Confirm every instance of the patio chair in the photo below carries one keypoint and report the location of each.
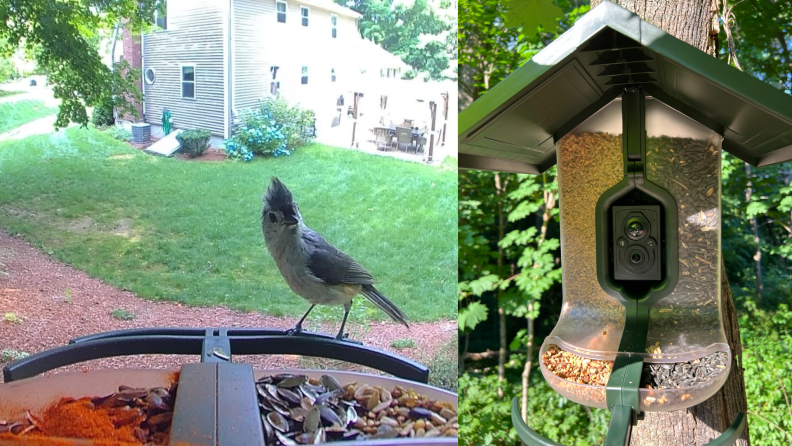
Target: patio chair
(403, 137)
(383, 138)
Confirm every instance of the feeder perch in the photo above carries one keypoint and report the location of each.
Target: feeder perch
(218, 401)
(636, 121)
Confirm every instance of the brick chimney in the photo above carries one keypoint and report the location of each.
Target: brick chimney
(132, 53)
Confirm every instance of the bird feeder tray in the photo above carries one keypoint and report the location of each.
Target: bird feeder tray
(216, 402)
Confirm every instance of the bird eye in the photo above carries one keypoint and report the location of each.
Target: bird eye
(272, 217)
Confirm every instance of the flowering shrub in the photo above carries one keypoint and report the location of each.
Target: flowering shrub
(237, 152)
(274, 129)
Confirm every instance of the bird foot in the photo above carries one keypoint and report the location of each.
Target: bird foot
(294, 330)
(345, 338)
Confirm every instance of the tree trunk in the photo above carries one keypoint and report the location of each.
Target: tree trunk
(692, 21)
(527, 368)
(500, 188)
(754, 228)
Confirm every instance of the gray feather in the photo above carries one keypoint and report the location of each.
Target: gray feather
(330, 265)
(384, 304)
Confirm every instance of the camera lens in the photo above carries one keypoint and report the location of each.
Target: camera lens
(636, 228)
(636, 257)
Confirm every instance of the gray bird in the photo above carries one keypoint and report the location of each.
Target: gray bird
(314, 269)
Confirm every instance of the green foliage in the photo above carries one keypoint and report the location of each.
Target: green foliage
(412, 31)
(61, 37)
(275, 128)
(8, 71)
(767, 360)
(15, 114)
(400, 344)
(532, 14)
(122, 315)
(194, 142)
(120, 133)
(8, 355)
(12, 318)
(103, 114)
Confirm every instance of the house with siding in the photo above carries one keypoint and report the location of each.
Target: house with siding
(211, 58)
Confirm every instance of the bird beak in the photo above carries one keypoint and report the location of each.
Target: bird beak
(290, 221)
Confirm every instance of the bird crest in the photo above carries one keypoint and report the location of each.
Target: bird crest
(278, 196)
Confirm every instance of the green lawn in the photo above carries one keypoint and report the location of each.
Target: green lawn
(190, 231)
(4, 93)
(14, 114)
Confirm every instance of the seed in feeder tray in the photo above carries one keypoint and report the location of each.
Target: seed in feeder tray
(318, 411)
(129, 416)
(576, 368)
(683, 374)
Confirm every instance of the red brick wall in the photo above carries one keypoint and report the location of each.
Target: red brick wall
(132, 54)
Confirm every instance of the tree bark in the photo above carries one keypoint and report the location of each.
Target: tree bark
(500, 188)
(692, 22)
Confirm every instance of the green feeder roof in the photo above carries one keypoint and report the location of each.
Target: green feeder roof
(514, 127)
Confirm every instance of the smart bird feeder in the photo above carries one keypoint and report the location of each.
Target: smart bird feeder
(636, 121)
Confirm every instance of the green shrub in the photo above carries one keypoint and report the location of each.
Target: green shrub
(103, 114)
(120, 133)
(275, 128)
(194, 142)
(8, 71)
(8, 355)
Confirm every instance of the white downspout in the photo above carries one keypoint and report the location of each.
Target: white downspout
(227, 67)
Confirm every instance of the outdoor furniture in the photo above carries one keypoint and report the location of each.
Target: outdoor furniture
(382, 137)
(403, 137)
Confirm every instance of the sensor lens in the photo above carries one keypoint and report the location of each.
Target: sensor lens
(636, 257)
(636, 228)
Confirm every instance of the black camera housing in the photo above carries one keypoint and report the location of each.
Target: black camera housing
(636, 243)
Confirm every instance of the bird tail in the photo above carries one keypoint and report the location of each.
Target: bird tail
(384, 304)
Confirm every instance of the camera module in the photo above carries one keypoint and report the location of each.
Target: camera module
(635, 234)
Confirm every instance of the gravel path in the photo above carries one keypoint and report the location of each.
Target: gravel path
(34, 287)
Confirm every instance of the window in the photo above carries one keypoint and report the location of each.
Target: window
(332, 75)
(274, 86)
(281, 7)
(188, 81)
(304, 79)
(150, 76)
(160, 19)
(304, 13)
(334, 24)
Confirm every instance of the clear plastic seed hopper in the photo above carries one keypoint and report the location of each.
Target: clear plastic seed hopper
(636, 121)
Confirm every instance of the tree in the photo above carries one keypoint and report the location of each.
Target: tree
(414, 32)
(695, 22)
(60, 36)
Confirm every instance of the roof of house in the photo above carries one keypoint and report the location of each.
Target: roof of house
(515, 125)
(331, 6)
(371, 54)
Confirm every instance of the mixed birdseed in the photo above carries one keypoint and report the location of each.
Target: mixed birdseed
(575, 368)
(588, 165)
(684, 374)
(296, 409)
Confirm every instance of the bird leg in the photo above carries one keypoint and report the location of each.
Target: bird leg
(347, 307)
(298, 328)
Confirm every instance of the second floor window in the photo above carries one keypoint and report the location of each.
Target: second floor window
(304, 13)
(304, 79)
(332, 75)
(281, 6)
(334, 24)
(188, 81)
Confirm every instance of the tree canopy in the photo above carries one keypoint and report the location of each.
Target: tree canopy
(61, 36)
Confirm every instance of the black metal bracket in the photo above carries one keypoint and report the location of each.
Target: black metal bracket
(213, 345)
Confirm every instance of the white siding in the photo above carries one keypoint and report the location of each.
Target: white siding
(194, 36)
(259, 42)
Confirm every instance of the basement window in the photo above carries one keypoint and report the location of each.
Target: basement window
(304, 79)
(332, 75)
(188, 81)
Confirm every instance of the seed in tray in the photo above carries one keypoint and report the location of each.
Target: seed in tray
(576, 368)
(683, 374)
(317, 411)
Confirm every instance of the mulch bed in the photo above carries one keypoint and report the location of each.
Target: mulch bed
(56, 303)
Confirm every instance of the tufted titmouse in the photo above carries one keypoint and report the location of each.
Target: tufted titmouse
(313, 268)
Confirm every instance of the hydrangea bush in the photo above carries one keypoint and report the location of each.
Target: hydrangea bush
(275, 128)
(235, 151)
